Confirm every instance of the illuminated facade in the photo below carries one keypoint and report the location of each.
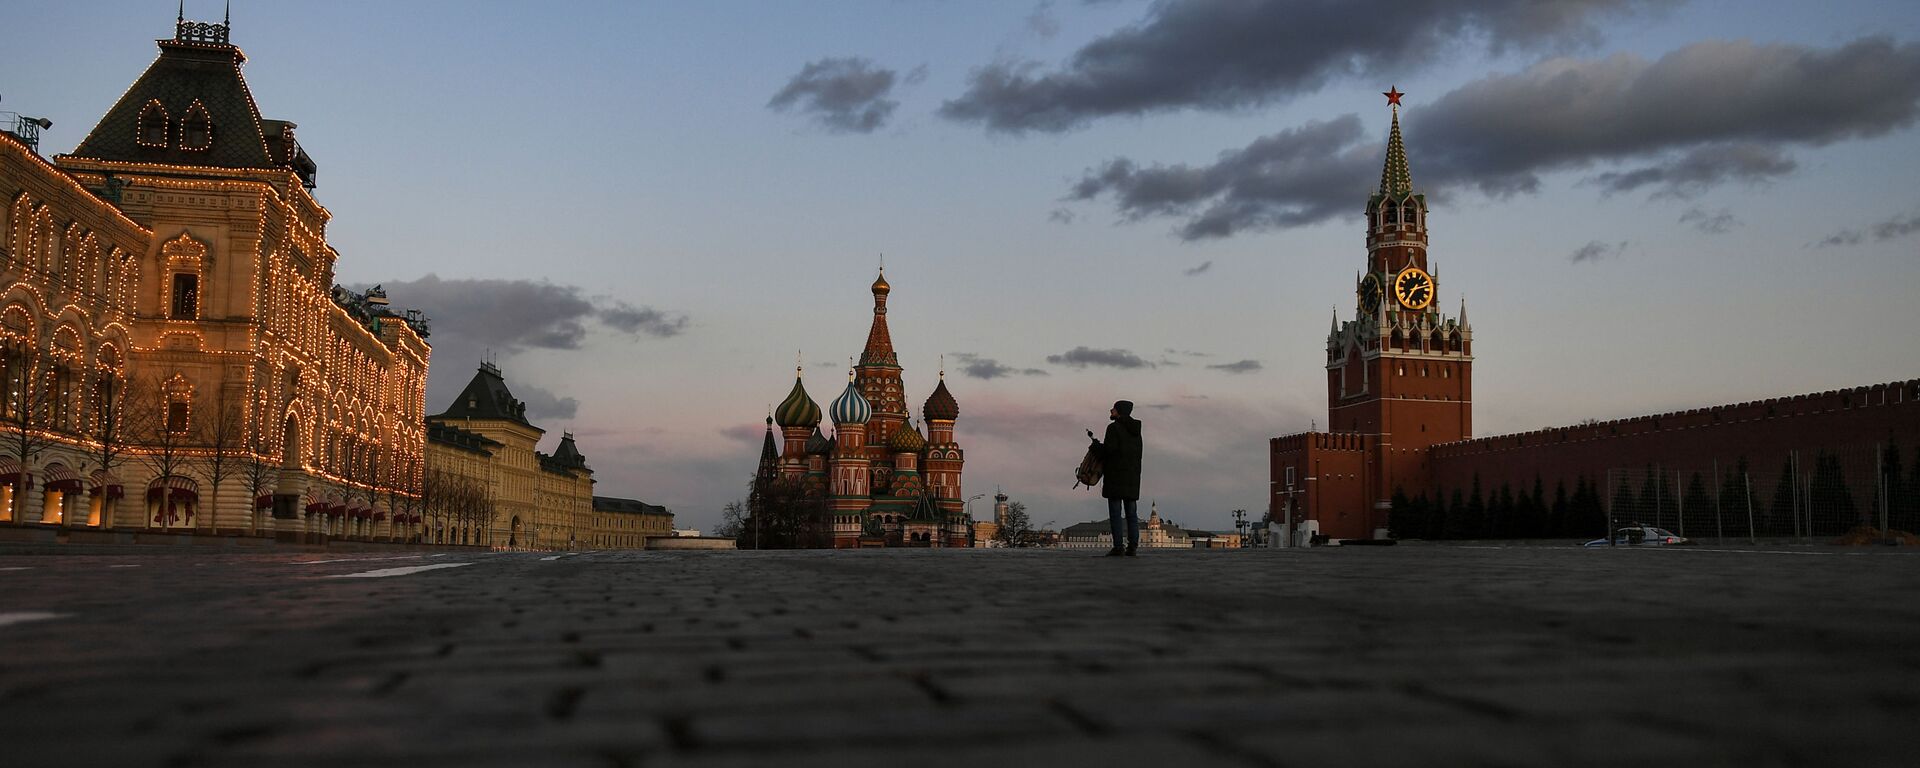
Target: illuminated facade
(530, 500)
(176, 353)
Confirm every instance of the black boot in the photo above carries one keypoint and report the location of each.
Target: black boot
(1130, 548)
(1115, 552)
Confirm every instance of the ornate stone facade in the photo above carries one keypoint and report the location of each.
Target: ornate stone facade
(176, 352)
(527, 499)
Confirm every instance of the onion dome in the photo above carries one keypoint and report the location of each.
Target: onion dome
(817, 443)
(940, 405)
(798, 410)
(880, 287)
(907, 439)
(850, 407)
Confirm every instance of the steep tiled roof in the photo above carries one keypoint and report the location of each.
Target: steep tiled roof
(486, 397)
(187, 73)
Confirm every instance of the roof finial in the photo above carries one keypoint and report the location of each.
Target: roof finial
(1395, 181)
(943, 366)
(227, 18)
(798, 368)
(180, 17)
(850, 368)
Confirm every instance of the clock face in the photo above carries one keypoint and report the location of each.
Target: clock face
(1414, 288)
(1369, 294)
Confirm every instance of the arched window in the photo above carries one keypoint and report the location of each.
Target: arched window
(151, 131)
(196, 129)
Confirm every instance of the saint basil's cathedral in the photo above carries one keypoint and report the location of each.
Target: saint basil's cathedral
(884, 484)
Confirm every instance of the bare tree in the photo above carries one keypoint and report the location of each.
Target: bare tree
(223, 432)
(111, 427)
(166, 444)
(1016, 528)
(258, 471)
(25, 412)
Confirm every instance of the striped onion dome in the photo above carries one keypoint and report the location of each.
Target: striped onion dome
(907, 439)
(850, 407)
(940, 405)
(798, 410)
(817, 443)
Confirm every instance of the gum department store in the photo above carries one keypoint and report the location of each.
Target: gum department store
(177, 356)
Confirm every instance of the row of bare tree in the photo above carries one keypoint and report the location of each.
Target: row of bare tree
(175, 432)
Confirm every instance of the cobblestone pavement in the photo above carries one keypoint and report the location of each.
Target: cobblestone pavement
(1410, 655)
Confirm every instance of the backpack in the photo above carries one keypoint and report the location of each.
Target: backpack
(1090, 470)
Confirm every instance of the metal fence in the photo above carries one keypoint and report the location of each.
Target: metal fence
(1861, 492)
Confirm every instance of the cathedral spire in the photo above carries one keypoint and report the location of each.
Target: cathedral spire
(879, 350)
(1395, 179)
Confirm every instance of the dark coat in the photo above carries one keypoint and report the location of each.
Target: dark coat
(1120, 455)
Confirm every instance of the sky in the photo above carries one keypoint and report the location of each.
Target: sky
(643, 210)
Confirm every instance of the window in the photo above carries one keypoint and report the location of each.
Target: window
(186, 296)
(196, 129)
(152, 128)
(61, 409)
(177, 416)
(1289, 476)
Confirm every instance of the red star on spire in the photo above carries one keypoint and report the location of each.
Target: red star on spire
(1393, 95)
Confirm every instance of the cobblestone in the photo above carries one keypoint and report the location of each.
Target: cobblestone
(1412, 655)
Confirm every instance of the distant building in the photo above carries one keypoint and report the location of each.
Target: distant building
(1154, 534)
(626, 524)
(533, 500)
(987, 533)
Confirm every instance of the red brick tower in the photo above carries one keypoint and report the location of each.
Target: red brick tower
(944, 463)
(878, 377)
(1400, 372)
(850, 464)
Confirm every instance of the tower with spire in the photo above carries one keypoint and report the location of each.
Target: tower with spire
(884, 482)
(1399, 371)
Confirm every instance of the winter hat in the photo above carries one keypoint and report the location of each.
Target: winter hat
(1125, 407)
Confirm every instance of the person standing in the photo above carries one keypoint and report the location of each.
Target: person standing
(1120, 455)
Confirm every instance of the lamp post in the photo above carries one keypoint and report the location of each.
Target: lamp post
(969, 507)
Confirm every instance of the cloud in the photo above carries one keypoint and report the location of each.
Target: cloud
(628, 318)
(1042, 23)
(1710, 222)
(1188, 352)
(1204, 266)
(1696, 170)
(1888, 229)
(1061, 215)
(845, 95)
(988, 368)
(497, 318)
(1081, 357)
(1213, 55)
(752, 434)
(1706, 114)
(1596, 250)
(543, 403)
(1243, 366)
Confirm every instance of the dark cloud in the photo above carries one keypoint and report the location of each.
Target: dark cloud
(1081, 357)
(1231, 54)
(1243, 366)
(1204, 266)
(492, 319)
(1596, 250)
(1881, 231)
(1706, 114)
(628, 318)
(846, 95)
(1188, 352)
(988, 368)
(1061, 215)
(1698, 169)
(543, 403)
(1712, 223)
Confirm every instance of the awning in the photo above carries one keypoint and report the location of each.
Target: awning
(103, 483)
(316, 507)
(69, 485)
(263, 501)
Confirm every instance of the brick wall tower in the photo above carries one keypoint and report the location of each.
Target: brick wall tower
(944, 463)
(1400, 372)
(878, 377)
(849, 466)
(798, 417)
